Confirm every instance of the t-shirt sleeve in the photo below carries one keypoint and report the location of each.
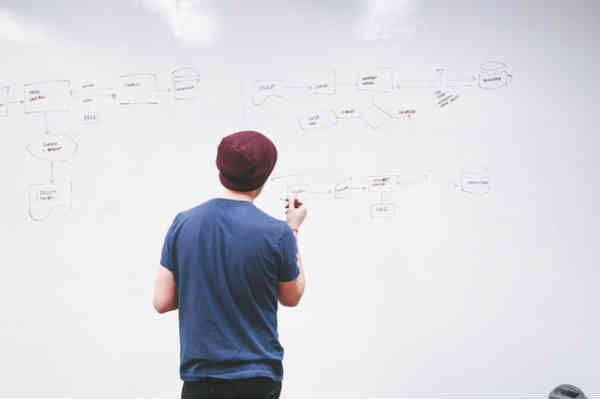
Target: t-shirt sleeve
(169, 256)
(288, 270)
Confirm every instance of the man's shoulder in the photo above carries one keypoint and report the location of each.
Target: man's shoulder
(270, 221)
(202, 207)
(252, 216)
(192, 212)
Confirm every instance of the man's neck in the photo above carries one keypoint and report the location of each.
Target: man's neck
(236, 195)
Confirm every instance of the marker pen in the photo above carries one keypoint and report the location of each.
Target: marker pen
(296, 202)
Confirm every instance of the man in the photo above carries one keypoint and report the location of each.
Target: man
(224, 265)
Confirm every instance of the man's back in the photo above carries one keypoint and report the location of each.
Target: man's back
(227, 257)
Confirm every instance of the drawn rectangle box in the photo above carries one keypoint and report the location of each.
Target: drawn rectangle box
(382, 183)
(4, 100)
(380, 80)
(138, 88)
(383, 210)
(475, 181)
(186, 83)
(317, 120)
(49, 96)
(262, 90)
(45, 198)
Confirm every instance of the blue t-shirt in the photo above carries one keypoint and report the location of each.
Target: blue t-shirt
(227, 257)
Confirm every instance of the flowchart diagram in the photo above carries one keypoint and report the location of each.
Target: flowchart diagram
(137, 88)
(382, 187)
(376, 84)
(88, 101)
(59, 96)
(47, 196)
(44, 98)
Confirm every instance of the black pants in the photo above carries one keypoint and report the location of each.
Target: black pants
(215, 388)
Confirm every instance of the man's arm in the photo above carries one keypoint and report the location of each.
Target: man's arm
(290, 292)
(165, 291)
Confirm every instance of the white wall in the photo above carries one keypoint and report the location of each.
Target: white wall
(458, 294)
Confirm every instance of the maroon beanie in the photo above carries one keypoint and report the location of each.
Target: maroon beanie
(245, 160)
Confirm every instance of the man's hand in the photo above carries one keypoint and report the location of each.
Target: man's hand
(296, 212)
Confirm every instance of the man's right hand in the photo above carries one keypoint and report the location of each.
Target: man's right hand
(295, 215)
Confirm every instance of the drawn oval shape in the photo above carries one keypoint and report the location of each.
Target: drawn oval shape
(53, 148)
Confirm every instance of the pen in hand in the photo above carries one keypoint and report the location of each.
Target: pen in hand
(296, 203)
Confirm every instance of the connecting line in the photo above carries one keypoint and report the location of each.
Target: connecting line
(45, 122)
(16, 102)
(461, 82)
(111, 95)
(348, 188)
(95, 92)
(351, 188)
(282, 177)
(296, 87)
(52, 172)
(317, 192)
(415, 84)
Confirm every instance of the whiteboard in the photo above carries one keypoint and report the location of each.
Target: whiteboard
(447, 153)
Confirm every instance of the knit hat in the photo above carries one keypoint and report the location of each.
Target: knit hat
(245, 160)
